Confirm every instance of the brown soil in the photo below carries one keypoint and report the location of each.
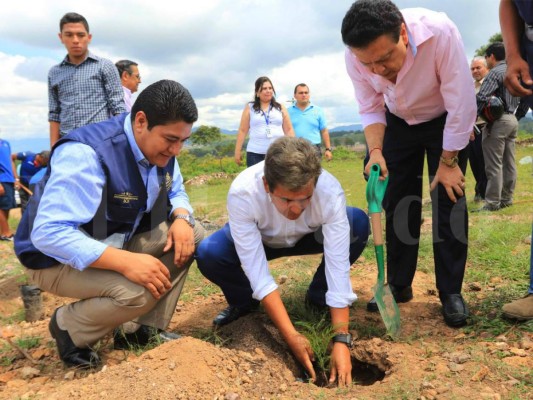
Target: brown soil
(429, 361)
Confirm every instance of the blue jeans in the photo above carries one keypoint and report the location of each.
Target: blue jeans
(219, 262)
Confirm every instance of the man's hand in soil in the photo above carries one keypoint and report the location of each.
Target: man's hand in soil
(341, 365)
(301, 348)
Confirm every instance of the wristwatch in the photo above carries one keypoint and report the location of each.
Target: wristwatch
(450, 162)
(345, 338)
(328, 149)
(187, 217)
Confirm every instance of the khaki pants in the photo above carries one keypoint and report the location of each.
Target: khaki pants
(107, 298)
(499, 154)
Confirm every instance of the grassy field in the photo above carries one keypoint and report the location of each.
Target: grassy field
(498, 248)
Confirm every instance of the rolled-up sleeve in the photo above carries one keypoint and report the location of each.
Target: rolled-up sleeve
(336, 255)
(249, 246)
(456, 89)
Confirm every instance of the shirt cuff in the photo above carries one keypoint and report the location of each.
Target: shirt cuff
(373, 118)
(340, 300)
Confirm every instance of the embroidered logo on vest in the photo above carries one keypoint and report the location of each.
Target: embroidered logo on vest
(126, 197)
(168, 182)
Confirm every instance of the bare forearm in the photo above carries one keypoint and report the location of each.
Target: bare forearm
(340, 318)
(512, 28)
(278, 314)
(374, 135)
(54, 132)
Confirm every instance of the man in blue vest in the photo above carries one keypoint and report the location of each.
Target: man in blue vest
(103, 222)
(516, 20)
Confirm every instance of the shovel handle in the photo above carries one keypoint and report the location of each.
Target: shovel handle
(377, 233)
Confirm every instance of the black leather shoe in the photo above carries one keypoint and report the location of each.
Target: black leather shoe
(401, 295)
(68, 352)
(141, 337)
(454, 309)
(233, 313)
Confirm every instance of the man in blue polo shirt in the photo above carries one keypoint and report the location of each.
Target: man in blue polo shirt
(30, 164)
(309, 121)
(7, 191)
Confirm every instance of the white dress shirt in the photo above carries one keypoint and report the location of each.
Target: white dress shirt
(255, 221)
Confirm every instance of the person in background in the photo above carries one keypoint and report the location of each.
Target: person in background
(30, 164)
(288, 205)
(406, 68)
(130, 79)
(309, 121)
(516, 21)
(8, 177)
(83, 88)
(265, 120)
(111, 224)
(479, 70)
(499, 136)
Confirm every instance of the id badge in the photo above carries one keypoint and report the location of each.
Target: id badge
(268, 133)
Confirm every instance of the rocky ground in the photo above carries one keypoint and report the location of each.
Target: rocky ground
(248, 360)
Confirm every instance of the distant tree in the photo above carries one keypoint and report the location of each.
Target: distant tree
(497, 37)
(349, 141)
(205, 135)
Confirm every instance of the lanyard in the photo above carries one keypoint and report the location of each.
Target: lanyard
(267, 116)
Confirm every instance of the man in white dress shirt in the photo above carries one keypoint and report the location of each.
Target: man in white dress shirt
(286, 206)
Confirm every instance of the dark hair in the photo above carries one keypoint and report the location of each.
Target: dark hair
(366, 20)
(165, 102)
(73, 18)
(45, 155)
(497, 49)
(257, 103)
(291, 162)
(124, 66)
(300, 85)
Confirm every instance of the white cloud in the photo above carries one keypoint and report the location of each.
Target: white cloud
(216, 48)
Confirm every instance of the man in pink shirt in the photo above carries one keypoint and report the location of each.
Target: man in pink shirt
(414, 90)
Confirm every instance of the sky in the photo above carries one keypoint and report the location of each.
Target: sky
(215, 48)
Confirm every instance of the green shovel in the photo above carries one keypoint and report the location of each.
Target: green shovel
(390, 313)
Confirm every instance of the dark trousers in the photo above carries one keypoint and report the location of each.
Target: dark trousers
(404, 149)
(253, 158)
(477, 165)
(219, 262)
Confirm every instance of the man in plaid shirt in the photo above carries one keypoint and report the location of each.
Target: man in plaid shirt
(83, 88)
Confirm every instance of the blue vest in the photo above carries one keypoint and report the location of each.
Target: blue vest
(123, 198)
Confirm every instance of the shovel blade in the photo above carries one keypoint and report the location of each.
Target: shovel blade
(390, 313)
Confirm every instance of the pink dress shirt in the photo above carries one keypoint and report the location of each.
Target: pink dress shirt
(434, 78)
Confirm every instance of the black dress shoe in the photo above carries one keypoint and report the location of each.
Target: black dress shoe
(233, 313)
(454, 309)
(400, 294)
(142, 337)
(68, 352)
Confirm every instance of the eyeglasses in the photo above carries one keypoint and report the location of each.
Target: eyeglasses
(138, 76)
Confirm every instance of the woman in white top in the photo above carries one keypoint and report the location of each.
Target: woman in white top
(265, 119)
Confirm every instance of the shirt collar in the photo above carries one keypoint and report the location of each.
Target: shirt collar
(417, 31)
(310, 105)
(90, 56)
(137, 153)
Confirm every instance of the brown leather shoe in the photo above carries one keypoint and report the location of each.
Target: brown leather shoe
(520, 310)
